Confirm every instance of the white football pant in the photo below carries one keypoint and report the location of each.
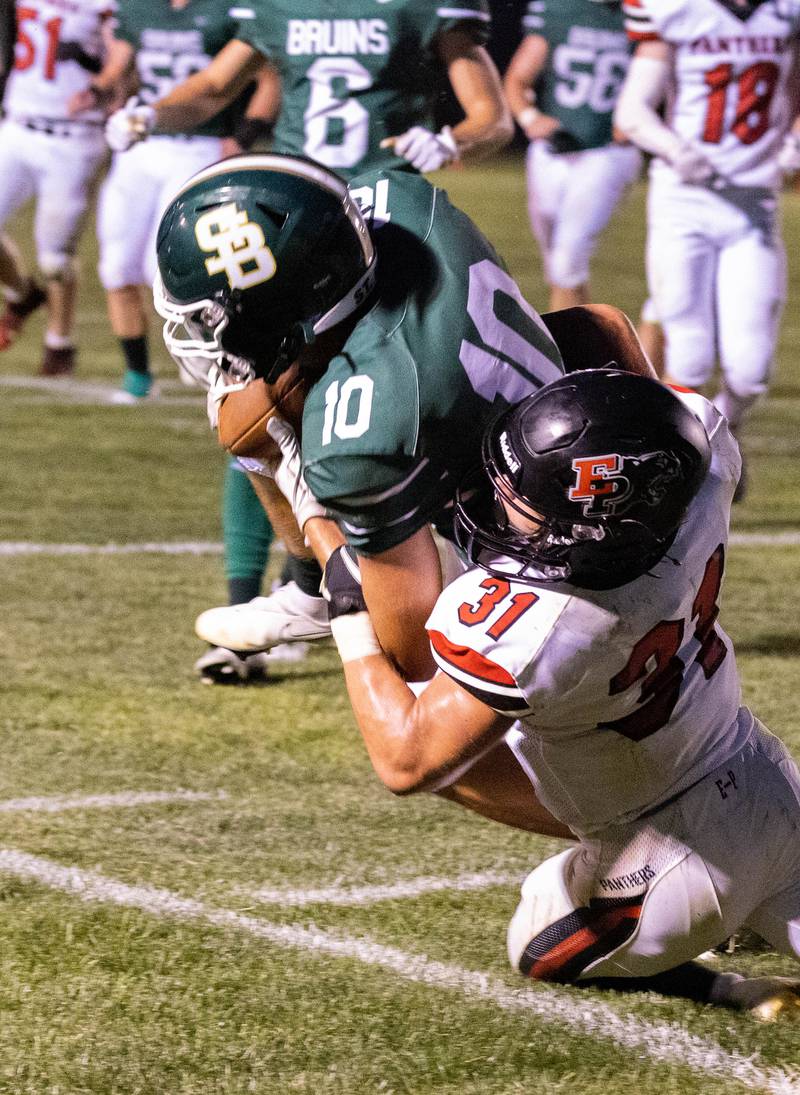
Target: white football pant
(57, 170)
(648, 896)
(137, 190)
(717, 275)
(571, 197)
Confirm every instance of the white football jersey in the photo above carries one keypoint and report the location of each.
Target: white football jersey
(624, 696)
(731, 90)
(41, 83)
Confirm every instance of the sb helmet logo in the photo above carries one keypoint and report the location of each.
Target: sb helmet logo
(240, 250)
(599, 484)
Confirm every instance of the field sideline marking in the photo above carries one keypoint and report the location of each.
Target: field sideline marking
(666, 1042)
(369, 895)
(790, 538)
(55, 804)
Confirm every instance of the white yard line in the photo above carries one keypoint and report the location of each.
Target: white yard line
(208, 547)
(177, 547)
(369, 895)
(91, 393)
(55, 804)
(661, 1042)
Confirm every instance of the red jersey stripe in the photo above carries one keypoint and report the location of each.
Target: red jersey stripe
(469, 661)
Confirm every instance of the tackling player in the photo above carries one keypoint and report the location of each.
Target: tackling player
(358, 92)
(47, 154)
(715, 260)
(561, 85)
(587, 635)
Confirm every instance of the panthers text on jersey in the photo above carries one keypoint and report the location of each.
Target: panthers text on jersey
(625, 696)
(399, 414)
(587, 60)
(732, 67)
(356, 72)
(172, 43)
(58, 49)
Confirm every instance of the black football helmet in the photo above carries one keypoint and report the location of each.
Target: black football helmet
(256, 256)
(604, 462)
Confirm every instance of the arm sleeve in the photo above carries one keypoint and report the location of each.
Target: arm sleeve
(636, 114)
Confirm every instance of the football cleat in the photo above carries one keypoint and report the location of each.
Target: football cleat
(136, 388)
(221, 666)
(58, 361)
(287, 615)
(15, 314)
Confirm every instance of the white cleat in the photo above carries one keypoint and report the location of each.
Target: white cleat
(287, 615)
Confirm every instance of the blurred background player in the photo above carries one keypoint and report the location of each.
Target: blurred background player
(155, 46)
(48, 155)
(359, 91)
(562, 84)
(715, 260)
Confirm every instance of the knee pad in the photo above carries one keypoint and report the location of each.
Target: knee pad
(558, 929)
(57, 266)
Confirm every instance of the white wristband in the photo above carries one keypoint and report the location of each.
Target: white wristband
(527, 116)
(355, 636)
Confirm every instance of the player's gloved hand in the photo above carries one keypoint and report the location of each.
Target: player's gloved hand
(691, 165)
(341, 584)
(425, 150)
(288, 473)
(133, 122)
(789, 154)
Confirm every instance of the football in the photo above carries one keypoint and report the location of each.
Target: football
(243, 415)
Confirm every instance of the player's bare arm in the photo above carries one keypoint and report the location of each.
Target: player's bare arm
(486, 126)
(113, 83)
(415, 744)
(523, 69)
(207, 92)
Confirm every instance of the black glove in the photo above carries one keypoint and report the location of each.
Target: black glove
(341, 585)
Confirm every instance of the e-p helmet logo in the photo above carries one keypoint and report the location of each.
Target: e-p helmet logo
(240, 250)
(599, 484)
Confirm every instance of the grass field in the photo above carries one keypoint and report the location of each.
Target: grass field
(206, 890)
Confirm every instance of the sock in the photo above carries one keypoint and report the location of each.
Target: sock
(241, 590)
(691, 981)
(135, 351)
(733, 406)
(247, 534)
(306, 573)
(57, 342)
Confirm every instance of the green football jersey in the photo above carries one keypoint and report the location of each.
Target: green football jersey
(355, 72)
(586, 64)
(170, 44)
(398, 416)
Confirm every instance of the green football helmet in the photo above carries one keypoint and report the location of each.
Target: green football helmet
(256, 256)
